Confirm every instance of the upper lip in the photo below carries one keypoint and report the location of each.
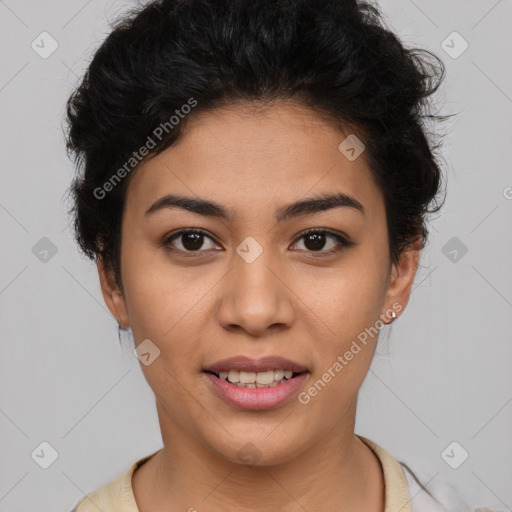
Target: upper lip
(246, 364)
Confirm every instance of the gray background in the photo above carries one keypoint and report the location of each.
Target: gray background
(443, 369)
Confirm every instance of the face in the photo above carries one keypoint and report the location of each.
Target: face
(258, 278)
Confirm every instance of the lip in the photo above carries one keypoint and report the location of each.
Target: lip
(256, 399)
(246, 364)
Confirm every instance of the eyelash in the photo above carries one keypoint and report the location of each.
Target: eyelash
(343, 242)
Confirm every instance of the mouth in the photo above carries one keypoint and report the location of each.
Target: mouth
(261, 384)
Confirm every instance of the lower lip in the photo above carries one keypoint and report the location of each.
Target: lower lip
(257, 399)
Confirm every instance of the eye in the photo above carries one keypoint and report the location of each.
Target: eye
(189, 240)
(317, 240)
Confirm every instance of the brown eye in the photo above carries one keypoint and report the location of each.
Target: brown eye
(317, 240)
(190, 241)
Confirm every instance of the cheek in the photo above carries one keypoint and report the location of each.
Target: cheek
(347, 299)
(160, 297)
(343, 344)
(168, 309)
(173, 323)
(344, 323)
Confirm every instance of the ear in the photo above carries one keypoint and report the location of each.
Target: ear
(114, 298)
(400, 281)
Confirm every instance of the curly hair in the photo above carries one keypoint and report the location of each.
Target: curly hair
(336, 57)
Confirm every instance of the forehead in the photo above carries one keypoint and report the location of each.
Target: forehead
(251, 157)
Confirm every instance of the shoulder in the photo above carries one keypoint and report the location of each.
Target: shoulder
(114, 496)
(406, 493)
(107, 498)
(440, 496)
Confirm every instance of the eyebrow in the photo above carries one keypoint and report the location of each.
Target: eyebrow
(212, 209)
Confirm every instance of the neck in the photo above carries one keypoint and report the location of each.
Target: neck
(338, 473)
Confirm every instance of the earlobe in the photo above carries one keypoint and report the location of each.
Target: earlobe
(113, 297)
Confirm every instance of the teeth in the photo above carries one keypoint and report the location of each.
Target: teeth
(247, 377)
(265, 379)
(233, 376)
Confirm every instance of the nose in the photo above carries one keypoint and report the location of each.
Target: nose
(255, 297)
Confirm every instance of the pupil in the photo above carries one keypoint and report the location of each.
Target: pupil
(192, 241)
(318, 241)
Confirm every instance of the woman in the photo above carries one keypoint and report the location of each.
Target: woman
(254, 189)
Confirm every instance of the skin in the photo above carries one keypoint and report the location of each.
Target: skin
(288, 302)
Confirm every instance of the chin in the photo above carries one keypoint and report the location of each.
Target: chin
(260, 449)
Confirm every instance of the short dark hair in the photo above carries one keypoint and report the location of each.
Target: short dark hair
(334, 56)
